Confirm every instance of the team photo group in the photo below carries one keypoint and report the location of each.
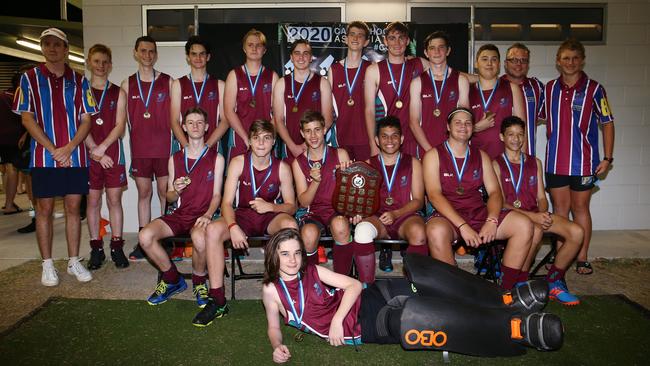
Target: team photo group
(266, 154)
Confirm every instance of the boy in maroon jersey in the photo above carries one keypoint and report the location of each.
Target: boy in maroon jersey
(195, 183)
(107, 165)
(314, 175)
(148, 111)
(296, 93)
(522, 184)
(346, 77)
(454, 173)
(254, 183)
(248, 93)
(198, 88)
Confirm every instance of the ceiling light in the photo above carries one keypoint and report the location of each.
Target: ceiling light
(76, 59)
(72, 56)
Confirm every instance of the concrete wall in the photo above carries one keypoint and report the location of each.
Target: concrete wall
(622, 65)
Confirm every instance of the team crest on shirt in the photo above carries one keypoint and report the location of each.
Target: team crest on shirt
(475, 174)
(403, 181)
(315, 96)
(318, 290)
(271, 188)
(453, 95)
(112, 105)
(160, 97)
(266, 88)
(210, 176)
(212, 95)
(503, 101)
(532, 180)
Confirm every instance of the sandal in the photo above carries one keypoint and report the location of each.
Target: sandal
(584, 268)
(18, 210)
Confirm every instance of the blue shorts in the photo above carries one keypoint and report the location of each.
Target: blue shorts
(58, 182)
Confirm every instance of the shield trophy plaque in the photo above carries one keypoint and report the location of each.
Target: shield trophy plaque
(357, 190)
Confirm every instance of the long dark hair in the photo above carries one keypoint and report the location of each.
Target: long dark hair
(272, 259)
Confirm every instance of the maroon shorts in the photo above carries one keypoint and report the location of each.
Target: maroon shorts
(358, 152)
(252, 223)
(476, 222)
(320, 219)
(101, 178)
(147, 167)
(393, 228)
(180, 224)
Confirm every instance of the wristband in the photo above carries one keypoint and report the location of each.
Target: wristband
(492, 219)
(231, 225)
(461, 225)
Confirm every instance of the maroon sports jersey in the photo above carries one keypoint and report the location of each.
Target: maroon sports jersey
(309, 100)
(401, 191)
(389, 98)
(321, 206)
(11, 126)
(435, 127)
(350, 123)
(527, 190)
(107, 114)
(500, 104)
(269, 190)
(195, 199)
(469, 204)
(321, 303)
(209, 99)
(150, 137)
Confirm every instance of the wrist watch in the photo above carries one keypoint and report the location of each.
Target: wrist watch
(611, 160)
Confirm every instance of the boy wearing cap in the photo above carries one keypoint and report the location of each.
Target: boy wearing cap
(56, 104)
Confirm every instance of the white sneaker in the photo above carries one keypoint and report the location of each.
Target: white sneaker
(78, 270)
(49, 277)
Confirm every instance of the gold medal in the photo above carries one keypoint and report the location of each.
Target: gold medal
(436, 112)
(252, 103)
(146, 115)
(99, 121)
(316, 165)
(517, 204)
(399, 104)
(389, 201)
(460, 190)
(350, 102)
(187, 180)
(294, 109)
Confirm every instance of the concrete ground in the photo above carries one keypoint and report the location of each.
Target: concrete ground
(621, 265)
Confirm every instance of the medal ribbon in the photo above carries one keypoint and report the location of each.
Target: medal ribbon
(296, 98)
(393, 174)
(347, 79)
(301, 293)
(516, 186)
(254, 186)
(189, 170)
(198, 96)
(486, 104)
(442, 87)
(101, 99)
(146, 103)
(398, 89)
(257, 79)
(322, 160)
(459, 173)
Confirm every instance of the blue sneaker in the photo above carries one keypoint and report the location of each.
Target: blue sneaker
(557, 291)
(200, 291)
(165, 290)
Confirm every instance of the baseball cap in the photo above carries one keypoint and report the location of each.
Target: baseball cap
(56, 32)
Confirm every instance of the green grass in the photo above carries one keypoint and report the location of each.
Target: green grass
(601, 331)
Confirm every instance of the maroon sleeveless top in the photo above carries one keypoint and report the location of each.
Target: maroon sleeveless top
(263, 94)
(195, 199)
(150, 137)
(435, 127)
(269, 190)
(501, 104)
(209, 99)
(527, 190)
(470, 203)
(321, 303)
(108, 115)
(321, 206)
(388, 96)
(309, 100)
(401, 191)
(350, 123)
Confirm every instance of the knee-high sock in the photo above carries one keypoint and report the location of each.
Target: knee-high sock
(510, 276)
(364, 257)
(342, 257)
(418, 249)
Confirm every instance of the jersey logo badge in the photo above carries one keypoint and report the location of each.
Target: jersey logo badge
(315, 96)
(452, 95)
(161, 97)
(212, 95)
(503, 101)
(210, 176)
(318, 290)
(426, 96)
(448, 175)
(403, 181)
(532, 181)
(112, 105)
(475, 174)
(245, 183)
(266, 88)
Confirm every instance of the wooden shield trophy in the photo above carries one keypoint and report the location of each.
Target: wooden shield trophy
(357, 190)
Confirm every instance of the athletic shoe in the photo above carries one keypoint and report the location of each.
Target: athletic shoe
(97, 258)
(137, 253)
(49, 277)
(200, 291)
(386, 260)
(29, 228)
(78, 270)
(210, 312)
(165, 290)
(557, 291)
(118, 257)
(539, 330)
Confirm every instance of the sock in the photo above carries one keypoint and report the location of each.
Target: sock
(71, 260)
(342, 257)
(523, 276)
(97, 244)
(48, 262)
(312, 258)
(117, 242)
(171, 275)
(555, 274)
(510, 276)
(218, 295)
(198, 279)
(418, 249)
(364, 258)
